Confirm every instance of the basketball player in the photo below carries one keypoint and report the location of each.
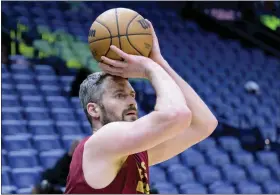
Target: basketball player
(116, 158)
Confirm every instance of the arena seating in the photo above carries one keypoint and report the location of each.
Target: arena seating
(36, 107)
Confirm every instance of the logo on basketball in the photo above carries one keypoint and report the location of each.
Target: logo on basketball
(144, 23)
(147, 46)
(92, 33)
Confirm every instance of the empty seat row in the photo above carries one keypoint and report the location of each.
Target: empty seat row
(39, 142)
(28, 89)
(28, 159)
(34, 113)
(36, 79)
(40, 101)
(20, 178)
(44, 127)
(42, 70)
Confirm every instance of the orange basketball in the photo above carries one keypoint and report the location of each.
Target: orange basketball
(124, 28)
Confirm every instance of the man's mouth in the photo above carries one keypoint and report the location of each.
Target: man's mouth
(131, 113)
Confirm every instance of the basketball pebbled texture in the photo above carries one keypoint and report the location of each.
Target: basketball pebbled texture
(124, 28)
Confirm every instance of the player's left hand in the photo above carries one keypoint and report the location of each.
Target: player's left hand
(155, 54)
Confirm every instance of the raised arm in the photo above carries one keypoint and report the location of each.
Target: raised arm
(111, 145)
(203, 121)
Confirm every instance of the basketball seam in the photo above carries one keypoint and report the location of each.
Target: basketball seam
(108, 37)
(117, 36)
(116, 12)
(128, 36)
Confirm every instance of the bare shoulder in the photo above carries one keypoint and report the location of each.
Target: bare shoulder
(98, 162)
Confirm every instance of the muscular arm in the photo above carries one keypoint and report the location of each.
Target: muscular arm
(111, 145)
(202, 125)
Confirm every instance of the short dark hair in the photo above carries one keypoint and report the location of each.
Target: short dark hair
(91, 90)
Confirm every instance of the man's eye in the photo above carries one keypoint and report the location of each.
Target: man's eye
(120, 95)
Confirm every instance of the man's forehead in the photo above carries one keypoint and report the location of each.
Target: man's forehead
(118, 83)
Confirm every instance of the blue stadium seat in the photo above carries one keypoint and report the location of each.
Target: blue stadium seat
(206, 144)
(10, 101)
(207, 174)
(87, 128)
(8, 89)
(17, 143)
(25, 177)
(57, 102)
(33, 114)
(4, 158)
(33, 101)
(8, 189)
(269, 133)
(37, 11)
(6, 78)
(41, 21)
(179, 174)
(66, 80)
(157, 174)
(9, 113)
(14, 127)
(44, 70)
(258, 173)
(23, 79)
(75, 101)
(246, 187)
(43, 127)
(230, 143)
(233, 173)
(50, 90)
(171, 161)
(218, 158)
(47, 80)
(271, 187)
(275, 169)
(213, 151)
(221, 188)
(193, 188)
(27, 89)
(4, 68)
(7, 186)
(46, 142)
(63, 114)
(25, 190)
(22, 159)
(68, 128)
(6, 177)
(192, 158)
(166, 188)
(21, 69)
(267, 158)
(243, 158)
(49, 158)
(81, 114)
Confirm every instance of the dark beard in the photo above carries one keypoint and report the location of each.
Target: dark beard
(105, 119)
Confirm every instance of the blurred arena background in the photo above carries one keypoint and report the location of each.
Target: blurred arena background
(228, 51)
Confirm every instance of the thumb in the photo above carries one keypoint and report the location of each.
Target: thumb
(155, 39)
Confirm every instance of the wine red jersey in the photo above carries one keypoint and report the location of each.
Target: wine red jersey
(132, 178)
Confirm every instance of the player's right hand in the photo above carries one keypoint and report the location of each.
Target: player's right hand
(132, 66)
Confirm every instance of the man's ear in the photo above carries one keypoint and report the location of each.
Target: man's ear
(93, 110)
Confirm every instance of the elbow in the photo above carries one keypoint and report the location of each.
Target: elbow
(211, 125)
(183, 117)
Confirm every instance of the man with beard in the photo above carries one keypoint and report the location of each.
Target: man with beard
(116, 158)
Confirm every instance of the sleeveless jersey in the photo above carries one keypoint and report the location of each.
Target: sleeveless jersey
(132, 178)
